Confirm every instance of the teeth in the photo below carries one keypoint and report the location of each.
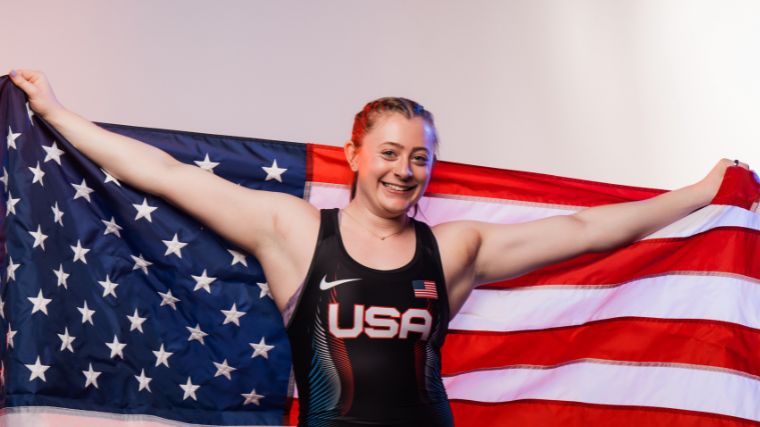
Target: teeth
(396, 187)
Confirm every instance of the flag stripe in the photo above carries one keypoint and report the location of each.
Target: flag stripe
(725, 299)
(656, 386)
(695, 342)
(543, 413)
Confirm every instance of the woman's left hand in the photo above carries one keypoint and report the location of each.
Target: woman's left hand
(711, 183)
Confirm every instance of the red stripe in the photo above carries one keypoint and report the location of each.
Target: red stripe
(654, 257)
(546, 413)
(697, 342)
(737, 189)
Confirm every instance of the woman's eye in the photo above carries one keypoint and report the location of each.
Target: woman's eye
(420, 159)
(388, 153)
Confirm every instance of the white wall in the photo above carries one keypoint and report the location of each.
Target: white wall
(648, 92)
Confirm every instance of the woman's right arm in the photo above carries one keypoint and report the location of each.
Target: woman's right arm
(258, 221)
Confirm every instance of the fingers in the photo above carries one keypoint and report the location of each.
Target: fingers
(23, 79)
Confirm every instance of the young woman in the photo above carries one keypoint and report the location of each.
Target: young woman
(367, 291)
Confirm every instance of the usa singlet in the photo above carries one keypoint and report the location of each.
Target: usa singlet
(366, 343)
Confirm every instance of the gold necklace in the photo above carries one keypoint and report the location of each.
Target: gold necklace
(370, 231)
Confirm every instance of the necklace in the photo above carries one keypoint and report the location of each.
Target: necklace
(370, 231)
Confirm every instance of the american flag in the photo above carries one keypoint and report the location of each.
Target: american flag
(424, 289)
(662, 332)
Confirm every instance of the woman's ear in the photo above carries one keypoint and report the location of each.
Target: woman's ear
(351, 151)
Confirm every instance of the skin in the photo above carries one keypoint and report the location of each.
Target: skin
(396, 151)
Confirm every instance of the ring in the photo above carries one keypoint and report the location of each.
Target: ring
(736, 163)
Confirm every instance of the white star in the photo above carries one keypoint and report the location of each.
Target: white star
(232, 315)
(117, 348)
(11, 139)
(92, 377)
(29, 113)
(66, 340)
(261, 349)
(109, 288)
(12, 269)
(86, 313)
(237, 257)
(273, 172)
(79, 252)
(39, 238)
(162, 357)
(174, 246)
(38, 174)
(144, 210)
(82, 191)
(169, 299)
(252, 397)
(111, 227)
(207, 164)
(109, 178)
(144, 381)
(141, 263)
(2, 308)
(52, 153)
(11, 208)
(40, 303)
(4, 179)
(57, 214)
(196, 334)
(62, 276)
(203, 281)
(224, 369)
(9, 336)
(135, 321)
(189, 389)
(264, 290)
(38, 370)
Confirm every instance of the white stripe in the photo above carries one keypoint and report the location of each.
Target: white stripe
(613, 384)
(720, 298)
(435, 210)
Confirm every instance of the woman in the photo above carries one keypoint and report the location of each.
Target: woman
(367, 291)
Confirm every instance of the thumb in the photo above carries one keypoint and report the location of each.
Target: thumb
(21, 79)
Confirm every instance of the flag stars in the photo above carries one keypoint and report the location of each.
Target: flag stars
(174, 246)
(39, 303)
(144, 210)
(62, 276)
(232, 315)
(79, 252)
(11, 204)
(141, 263)
(91, 377)
(4, 178)
(52, 152)
(82, 190)
(111, 227)
(117, 348)
(11, 270)
(203, 282)
(109, 178)
(39, 238)
(38, 174)
(57, 214)
(144, 382)
(224, 369)
(189, 389)
(206, 164)
(135, 322)
(169, 299)
(9, 336)
(237, 257)
(196, 334)
(162, 356)
(273, 172)
(264, 290)
(11, 138)
(86, 314)
(38, 370)
(66, 340)
(261, 349)
(29, 113)
(109, 288)
(252, 397)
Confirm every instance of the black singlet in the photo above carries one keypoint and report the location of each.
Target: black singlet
(366, 343)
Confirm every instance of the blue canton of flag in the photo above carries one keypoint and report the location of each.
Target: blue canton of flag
(424, 289)
(114, 301)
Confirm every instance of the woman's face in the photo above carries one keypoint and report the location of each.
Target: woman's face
(393, 163)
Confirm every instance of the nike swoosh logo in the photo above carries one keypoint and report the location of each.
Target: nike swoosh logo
(325, 285)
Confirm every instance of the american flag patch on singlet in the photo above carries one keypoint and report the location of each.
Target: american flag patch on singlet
(424, 289)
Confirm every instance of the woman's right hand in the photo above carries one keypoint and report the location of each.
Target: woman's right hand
(42, 100)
